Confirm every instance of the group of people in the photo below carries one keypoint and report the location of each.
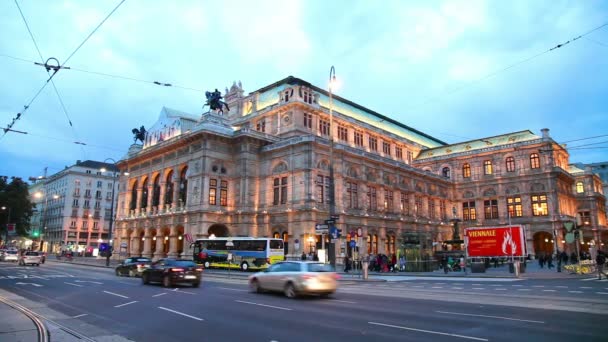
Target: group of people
(310, 256)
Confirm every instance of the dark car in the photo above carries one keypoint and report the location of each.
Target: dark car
(173, 271)
(133, 267)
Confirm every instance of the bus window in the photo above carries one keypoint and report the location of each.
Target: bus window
(276, 244)
(258, 245)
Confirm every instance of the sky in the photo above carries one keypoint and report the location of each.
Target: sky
(456, 70)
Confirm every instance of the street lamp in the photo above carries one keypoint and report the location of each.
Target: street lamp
(110, 242)
(332, 186)
(8, 221)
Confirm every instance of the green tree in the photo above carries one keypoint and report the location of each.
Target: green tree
(14, 196)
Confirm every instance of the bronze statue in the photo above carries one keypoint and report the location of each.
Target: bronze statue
(214, 101)
(139, 134)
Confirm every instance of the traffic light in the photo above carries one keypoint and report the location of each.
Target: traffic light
(35, 233)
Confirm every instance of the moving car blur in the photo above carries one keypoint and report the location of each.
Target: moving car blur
(169, 272)
(30, 258)
(133, 267)
(295, 278)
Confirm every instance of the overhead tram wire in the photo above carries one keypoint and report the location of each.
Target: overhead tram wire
(48, 70)
(25, 108)
(494, 73)
(67, 141)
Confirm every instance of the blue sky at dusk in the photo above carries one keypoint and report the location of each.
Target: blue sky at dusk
(456, 70)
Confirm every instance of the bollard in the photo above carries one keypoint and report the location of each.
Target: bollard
(516, 268)
(365, 266)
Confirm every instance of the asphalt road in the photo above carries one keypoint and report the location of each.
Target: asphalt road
(93, 302)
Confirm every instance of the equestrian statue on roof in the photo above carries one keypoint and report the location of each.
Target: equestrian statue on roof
(214, 101)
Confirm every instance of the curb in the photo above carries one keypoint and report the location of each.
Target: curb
(42, 332)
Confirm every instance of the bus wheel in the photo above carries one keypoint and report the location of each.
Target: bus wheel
(207, 264)
(244, 266)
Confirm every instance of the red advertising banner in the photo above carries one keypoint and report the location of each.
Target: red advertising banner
(11, 227)
(495, 241)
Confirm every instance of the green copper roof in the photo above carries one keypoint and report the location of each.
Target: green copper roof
(473, 145)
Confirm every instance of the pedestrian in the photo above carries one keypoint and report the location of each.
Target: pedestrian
(315, 257)
(346, 264)
(303, 257)
(444, 264)
(394, 263)
(402, 262)
(108, 256)
(550, 261)
(600, 260)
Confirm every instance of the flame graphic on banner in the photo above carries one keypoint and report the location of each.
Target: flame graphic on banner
(507, 243)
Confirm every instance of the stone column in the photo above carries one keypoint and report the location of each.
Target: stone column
(161, 202)
(173, 240)
(147, 252)
(159, 248)
(138, 202)
(150, 196)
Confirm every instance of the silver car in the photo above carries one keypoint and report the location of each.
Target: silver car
(295, 278)
(11, 255)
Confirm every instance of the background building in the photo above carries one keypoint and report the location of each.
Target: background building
(263, 169)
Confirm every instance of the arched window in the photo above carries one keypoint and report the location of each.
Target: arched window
(390, 244)
(133, 204)
(156, 191)
(183, 186)
(445, 172)
(534, 161)
(580, 188)
(510, 163)
(375, 244)
(144, 194)
(169, 188)
(466, 170)
(487, 167)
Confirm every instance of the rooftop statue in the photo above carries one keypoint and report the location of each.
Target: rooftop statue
(139, 134)
(214, 101)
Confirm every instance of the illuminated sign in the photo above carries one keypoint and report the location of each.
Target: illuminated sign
(495, 241)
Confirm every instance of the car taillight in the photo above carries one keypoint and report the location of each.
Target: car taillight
(337, 276)
(177, 270)
(307, 276)
(199, 270)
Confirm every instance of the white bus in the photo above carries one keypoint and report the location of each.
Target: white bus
(247, 252)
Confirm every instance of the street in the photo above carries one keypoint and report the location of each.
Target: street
(93, 303)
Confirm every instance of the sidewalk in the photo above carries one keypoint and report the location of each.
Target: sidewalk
(15, 325)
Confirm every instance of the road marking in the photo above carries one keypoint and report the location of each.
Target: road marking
(117, 306)
(81, 315)
(549, 290)
(268, 306)
(487, 316)
(538, 286)
(73, 284)
(437, 287)
(232, 289)
(478, 288)
(160, 294)
(585, 287)
(575, 291)
(497, 285)
(501, 289)
(418, 286)
(87, 281)
(428, 331)
(562, 287)
(33, 284)
(517, 285)
(602, 292)
(116, 294)
(343, 301)
(181, 313)
(177, 290)
(456, 288)
(475, 284)
(523, 289)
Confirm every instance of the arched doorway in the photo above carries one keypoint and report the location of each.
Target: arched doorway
(543, 244)
(218, 230)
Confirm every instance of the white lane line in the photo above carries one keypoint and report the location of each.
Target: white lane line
(343, 301)
(428, 331)
(478, 288)
(562, 287)
(116, 294)
(456, 288)
(549, 290)
(81, 315)
(437, 287)
(117, 306)
(487, 316)
(538, 286)
(602, 292)
(181, 313)
(575, 291)
(523, 289)
(476, 284)
(501, 289)
(418, 286)
(186, 292)
(268, 306)
(497, 285)
(232, 289)
(72, 284)
(517, 285)
(160, 294)
(585, 287)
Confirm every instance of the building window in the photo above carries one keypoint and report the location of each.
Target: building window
(468, 211)
(372, 244)
(514, 206)
(585, 217)
(352, 195)
(99, 183)
(169, 188)
(373, 143)
(73, 224)
(85, 224)
(183, 187)
(307, 120)
(490, 209)
(466, 170)
(359, 139)
(95, 225)
(307, 97)
(539, 205)
(280, 191)
(261, 126)
(386, 148)
(442, 210)
(399, 152)
(510, 163)
(431, 208)
(223, 193)
(445, 172)
(212, 191)
(388, 200)
(97, 205)
(156, 191)
(87, 193)
(410, 157)
(75, 202)
(534, 161)
(390, 245)
(322, 185)
(405, 203)
(324, 127)
(342, 133)
(371, 198)
(86, 204)
(580, 188)
(77, 183)
(487, 167)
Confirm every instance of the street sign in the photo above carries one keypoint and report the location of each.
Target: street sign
(335, 217)
(321, 229)
(330, 221)
(353, 244)
(123, 244)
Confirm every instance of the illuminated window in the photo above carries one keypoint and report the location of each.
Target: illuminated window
(539, 205)
(405, 203)
(487, 167)
(490, 209)
(510, 163)
(388, 200)
(390, 244)
(431, 208)
(579, 187)
(514, 206)
(534, 161)
(442, 210)
(468, 211)
(466, 170)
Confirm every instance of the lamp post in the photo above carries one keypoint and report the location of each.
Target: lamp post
(332, 186)
(8, 221)
(103, 169)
